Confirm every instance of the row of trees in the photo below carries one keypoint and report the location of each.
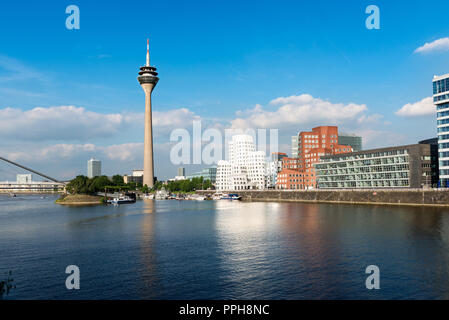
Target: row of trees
(186, 185)
(85, 185)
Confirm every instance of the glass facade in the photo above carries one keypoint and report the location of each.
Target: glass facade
(351, 140)
(295, 142)
(387, 169)
(440, 97)
(440, 86)
(207, 174)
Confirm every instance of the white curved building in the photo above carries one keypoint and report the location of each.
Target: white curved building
(245, 168)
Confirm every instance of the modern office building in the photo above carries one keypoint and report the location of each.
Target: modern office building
(273, 167)
(245, 168)
(410, 166)
(351, 140)
(24, 178)
(311, 146)
(181, 172)
(136, 176)
(148, 80)
(441, 101)
(207, 174)
(93, 168)
(31, 186)
(295, 145)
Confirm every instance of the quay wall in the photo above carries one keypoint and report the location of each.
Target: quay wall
(414, 197)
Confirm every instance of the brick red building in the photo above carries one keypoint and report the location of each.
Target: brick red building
(299, 173)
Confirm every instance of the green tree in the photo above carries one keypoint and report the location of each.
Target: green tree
(98, 184)
(118, 180)
(132, 185)
(78, 185)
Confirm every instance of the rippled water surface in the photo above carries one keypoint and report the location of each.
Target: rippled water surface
(223, 250)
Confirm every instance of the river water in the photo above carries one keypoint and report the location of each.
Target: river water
(223, 250)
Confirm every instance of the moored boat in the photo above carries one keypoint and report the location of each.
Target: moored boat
(122, 200)
(231, 196)
(162, 194)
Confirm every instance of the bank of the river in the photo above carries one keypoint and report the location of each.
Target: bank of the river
(79, 200)
(409, 197)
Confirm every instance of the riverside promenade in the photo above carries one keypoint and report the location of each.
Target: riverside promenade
(410, 197)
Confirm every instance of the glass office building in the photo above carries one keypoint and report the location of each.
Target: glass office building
(295, 146)
(93, 168)
(410, 166)
(207, 174)
(441, 101)
(351, 140)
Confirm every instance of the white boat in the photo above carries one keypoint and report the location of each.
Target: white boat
(217, 196)
(231, 196)
(121, 200)
(162, 194)
(149, 196)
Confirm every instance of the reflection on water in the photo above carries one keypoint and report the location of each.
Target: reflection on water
(148, 274)
(223, 250)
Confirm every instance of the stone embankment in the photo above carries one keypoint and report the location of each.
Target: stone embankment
(414, 197)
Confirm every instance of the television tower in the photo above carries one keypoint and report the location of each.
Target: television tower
(148, 80)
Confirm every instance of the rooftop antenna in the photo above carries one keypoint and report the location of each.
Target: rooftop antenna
(148, 53)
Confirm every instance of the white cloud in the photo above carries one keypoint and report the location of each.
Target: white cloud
(176, 118)
(421, 108)
(437, 45)
(79, 124)
(300, 110)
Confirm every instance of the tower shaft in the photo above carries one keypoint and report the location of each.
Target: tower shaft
(148, 162)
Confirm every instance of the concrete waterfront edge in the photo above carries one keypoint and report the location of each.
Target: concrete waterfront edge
(414, 197)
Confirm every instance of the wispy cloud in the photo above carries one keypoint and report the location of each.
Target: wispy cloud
(434, 46)
(13, 70)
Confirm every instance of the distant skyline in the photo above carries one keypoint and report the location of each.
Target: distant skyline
(69, 95)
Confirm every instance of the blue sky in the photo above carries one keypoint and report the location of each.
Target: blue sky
(214, 58)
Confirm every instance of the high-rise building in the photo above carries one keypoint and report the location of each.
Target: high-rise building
(148, 80)
(351, 140)
(93, 168)
(295, 146)
(181, 172)
(441, 101)
(24, 178)
(245, 168)
(299, 172)
(273, 167)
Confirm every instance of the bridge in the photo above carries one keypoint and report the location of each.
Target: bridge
(33, 186)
